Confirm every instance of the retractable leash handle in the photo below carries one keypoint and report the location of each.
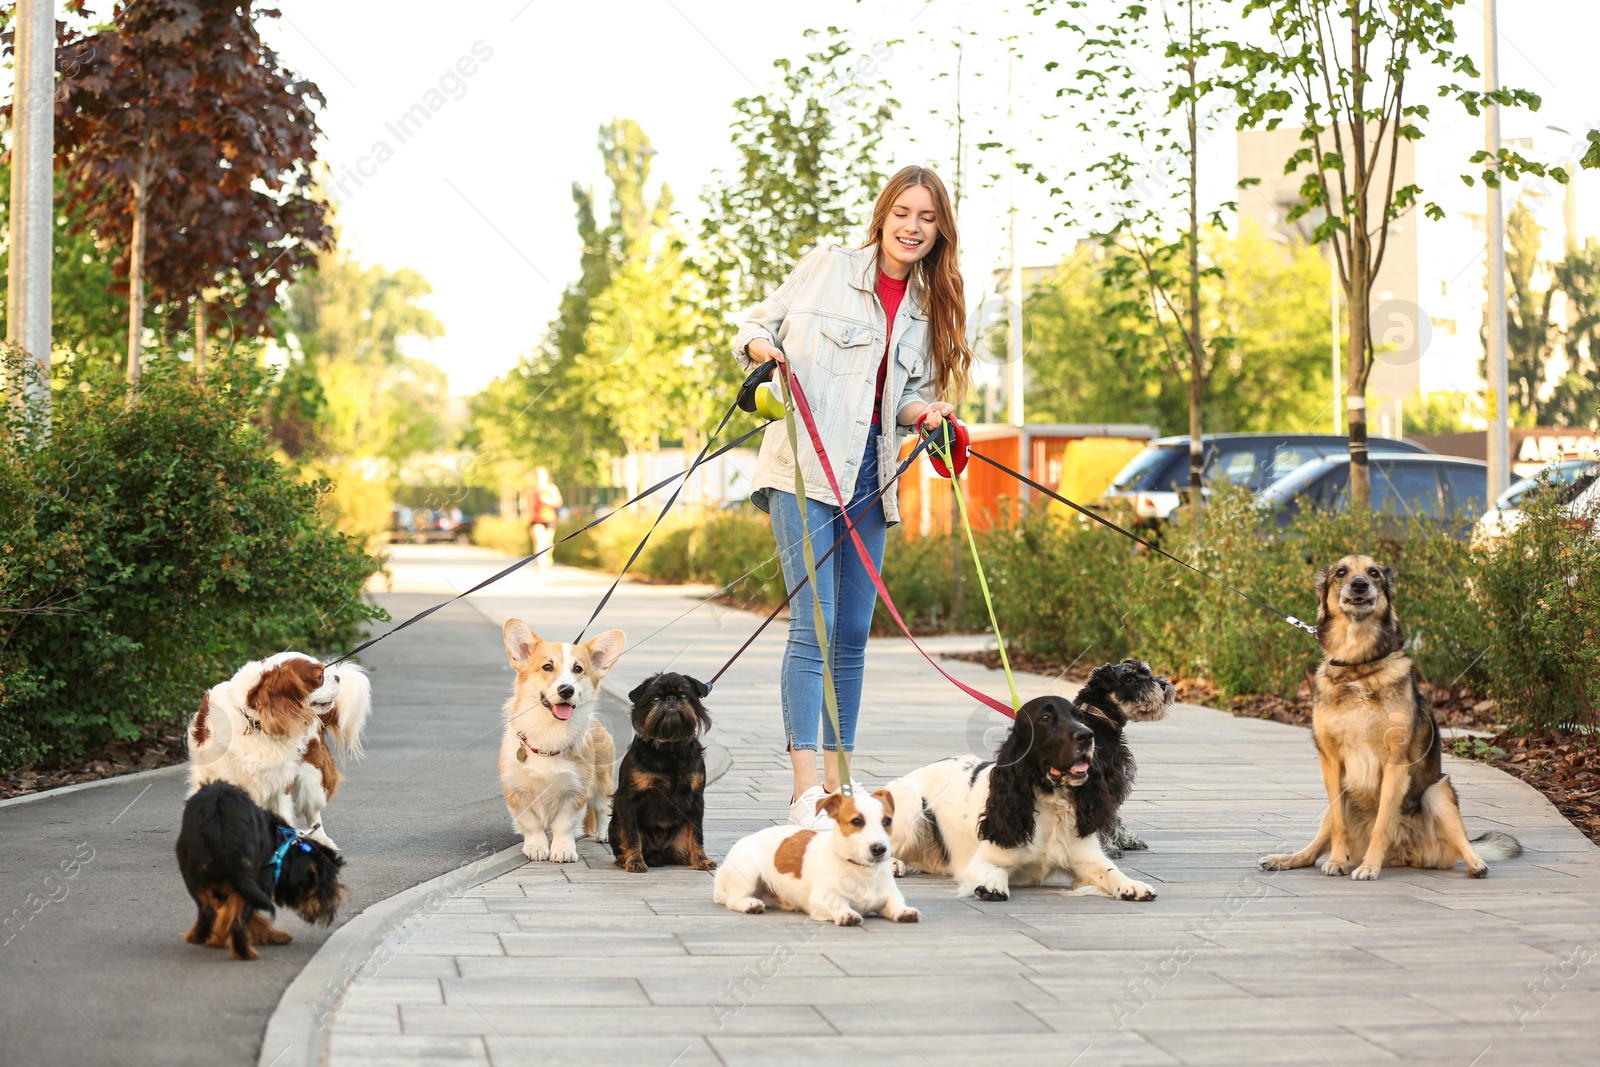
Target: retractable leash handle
(947, 455)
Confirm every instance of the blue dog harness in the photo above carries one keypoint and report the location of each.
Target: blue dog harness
(291, 837)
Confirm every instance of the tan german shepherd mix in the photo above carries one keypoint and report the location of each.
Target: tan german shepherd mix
(1389, 800)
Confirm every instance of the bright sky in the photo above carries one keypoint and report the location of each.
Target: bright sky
(477, 197)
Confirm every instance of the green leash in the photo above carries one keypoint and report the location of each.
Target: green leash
(830, 698)
(983, 582)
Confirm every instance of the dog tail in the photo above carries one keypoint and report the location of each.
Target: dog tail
(1496, 845)
(350, 710)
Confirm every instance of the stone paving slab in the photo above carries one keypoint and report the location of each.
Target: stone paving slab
(584, 963)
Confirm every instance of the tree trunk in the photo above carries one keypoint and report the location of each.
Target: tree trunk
(199, 333)
(1360, 260)
(141, 185)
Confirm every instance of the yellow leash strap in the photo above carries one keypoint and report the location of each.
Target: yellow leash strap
(829, 696)
(983, 582)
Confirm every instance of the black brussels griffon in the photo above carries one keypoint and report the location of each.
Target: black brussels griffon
(660, 803)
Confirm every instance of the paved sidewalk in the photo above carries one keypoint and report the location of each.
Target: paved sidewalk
(584, 963)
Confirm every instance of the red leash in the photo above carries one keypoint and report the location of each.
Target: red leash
(803, 409)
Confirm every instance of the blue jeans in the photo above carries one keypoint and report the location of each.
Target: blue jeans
(847, 596)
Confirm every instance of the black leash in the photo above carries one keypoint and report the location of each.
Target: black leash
(524, 561)
(905, 465)
(671, 500)
(1019, 476)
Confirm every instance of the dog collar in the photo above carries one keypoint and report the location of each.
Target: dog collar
(528, 746)
(1361, 662)
(291, 837)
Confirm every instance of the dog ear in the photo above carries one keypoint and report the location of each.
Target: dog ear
(831, 804)
(1387, 571)
(1008, 814)
(279, 696)
(888, 801)
(701, 689)
(638, 691)
(605, 648)
(519, 642)
(1322, 594)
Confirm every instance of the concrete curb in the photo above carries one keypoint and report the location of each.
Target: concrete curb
(65, 789)
(296, 1032)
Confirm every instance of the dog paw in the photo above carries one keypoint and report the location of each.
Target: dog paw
(536, 850)
(753, 907)
(563, 854)
(984, 892)
(1136, 891)
(1367, 872)
(634, 864)
(1481, 871)
(1134, 844)
(1335, 868)
(909, 915)
(899, 869)
(848, 918)
(1283, 861)
(707, 864)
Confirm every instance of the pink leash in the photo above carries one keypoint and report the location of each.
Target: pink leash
(803, 409)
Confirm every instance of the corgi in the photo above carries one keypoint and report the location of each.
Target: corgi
(834, 876)
(557, 763)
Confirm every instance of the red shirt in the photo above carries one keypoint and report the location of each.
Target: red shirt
(890, 292)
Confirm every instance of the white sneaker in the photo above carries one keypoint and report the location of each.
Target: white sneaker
(803, 811)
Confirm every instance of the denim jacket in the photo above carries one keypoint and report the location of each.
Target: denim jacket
(827, 320)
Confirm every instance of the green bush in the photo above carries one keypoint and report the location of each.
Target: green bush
(1539, 590)
(508, 535)
(724, 548)
(153, 544)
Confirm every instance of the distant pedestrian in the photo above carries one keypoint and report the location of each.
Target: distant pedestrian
(875, 335)
(543, 508)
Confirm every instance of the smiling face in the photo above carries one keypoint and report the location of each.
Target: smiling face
(1059, 744)
(909, 232)
(1358, 587)
(556, 676)
(1356, 620)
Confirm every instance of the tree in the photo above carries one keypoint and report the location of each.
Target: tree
(1093, 361)
(351, 405)
(1530, 335)
(1150, 176)
(810, 158)
(1576, 400)
(188, 148)
(1354, 115)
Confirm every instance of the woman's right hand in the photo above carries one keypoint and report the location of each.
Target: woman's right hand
(761, 350)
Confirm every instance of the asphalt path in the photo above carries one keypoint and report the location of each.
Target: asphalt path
(93, 967)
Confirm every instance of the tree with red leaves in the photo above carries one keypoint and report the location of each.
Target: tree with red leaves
(188, 148)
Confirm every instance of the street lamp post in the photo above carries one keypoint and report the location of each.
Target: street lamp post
(32, 194)
(1499, 432)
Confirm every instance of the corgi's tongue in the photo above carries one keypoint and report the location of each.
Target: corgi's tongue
(561, 711)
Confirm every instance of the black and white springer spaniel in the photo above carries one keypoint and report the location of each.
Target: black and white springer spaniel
(1042, 805)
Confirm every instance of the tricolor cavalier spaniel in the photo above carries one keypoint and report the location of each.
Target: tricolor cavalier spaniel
(271, 730)
(1037, 808)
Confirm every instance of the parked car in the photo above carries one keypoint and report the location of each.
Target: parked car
(1154, 479)
(423, 525)
(1567, 479)
(1404, 485)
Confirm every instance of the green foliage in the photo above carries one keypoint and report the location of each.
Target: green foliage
(1475, 748)
(351, 406)
(733, 549)
(810, 152)
(1092, 361)
(1442, 412)
(1576, 400)
(153, 544)
(1539, 589)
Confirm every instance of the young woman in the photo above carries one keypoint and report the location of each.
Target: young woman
(874, 335)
